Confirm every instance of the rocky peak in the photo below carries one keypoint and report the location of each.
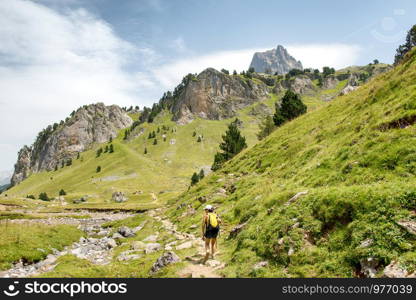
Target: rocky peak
(90, 124)
(214, 95)
(275, 61)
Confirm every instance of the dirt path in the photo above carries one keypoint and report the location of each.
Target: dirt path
(195, 268)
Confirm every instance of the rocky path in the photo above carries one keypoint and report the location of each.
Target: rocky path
(195, 267)
(96, 247)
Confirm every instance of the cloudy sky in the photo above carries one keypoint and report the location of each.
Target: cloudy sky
(56, 55)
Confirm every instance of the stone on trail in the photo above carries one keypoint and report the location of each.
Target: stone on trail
(166, 259)
(185, 245)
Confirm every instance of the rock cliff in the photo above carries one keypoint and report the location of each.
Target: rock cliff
(274, 61)
(57, 143)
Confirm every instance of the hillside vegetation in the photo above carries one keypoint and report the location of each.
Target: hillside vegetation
(355, 160)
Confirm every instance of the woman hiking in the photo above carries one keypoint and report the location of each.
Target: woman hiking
(210, 229)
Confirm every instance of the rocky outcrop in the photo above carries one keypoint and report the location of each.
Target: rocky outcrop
(56, 144)
(274, 61)
(300, 84)
(214, 95)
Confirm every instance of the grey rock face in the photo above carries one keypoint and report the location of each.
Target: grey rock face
(274, 61)
(94, 123)
(214, 95)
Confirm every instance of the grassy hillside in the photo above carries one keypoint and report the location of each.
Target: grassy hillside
(356, 159)
(162, 173)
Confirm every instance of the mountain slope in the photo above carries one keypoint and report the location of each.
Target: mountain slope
(354, 159)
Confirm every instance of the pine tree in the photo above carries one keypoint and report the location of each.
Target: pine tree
(233, 143)
(266, 127)
(98, 170)
(111, 149)
(290, 107)
(62, 164)
(155, 142)
(69, 162)
(56, 167)
(145, 150)
(150, 135)
(106, 149)
(193, 134)
(78, 155)
(194, 179)
(201, 174)
(99, 151)
(111, 140)
(199, 139)
(62, 192)
(158, 130)
(407, 46)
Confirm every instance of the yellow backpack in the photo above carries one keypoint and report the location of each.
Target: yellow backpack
(212, 220)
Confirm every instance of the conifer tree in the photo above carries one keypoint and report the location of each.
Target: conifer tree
(290, 107)
(194, 179)
(233, 143)
(111, 149)
(266, 127)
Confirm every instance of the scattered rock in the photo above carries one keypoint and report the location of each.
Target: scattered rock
(296, 197)
(117, 235)
(119, 197)
(369, 266)
(202, 199)
(126, 255)
(193, 226)
(166, 259)
(260, 265)
(410, 226)
(366, 243)
(185, 245)
(393, 270)
(236, 230)
(151, 238)
(152, 247)
(291, 251)
(138, 245)
(111, 243)
(125, 231)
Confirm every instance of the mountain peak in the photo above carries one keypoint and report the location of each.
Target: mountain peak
(275, 61)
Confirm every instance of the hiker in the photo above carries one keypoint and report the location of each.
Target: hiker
(210, 229)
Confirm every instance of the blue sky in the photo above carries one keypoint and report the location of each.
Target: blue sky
(56, 55)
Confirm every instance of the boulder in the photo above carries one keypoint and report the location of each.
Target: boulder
(152, 247)
(260, 265)
(117, 235)
(185, 245)
(410, 226)
(126, 231)
(369, 266)
(296, 197)
(138, 245)
(126, 255)
(166, 259)
(151, 238)
(236, 230)
(393, 270)
(111, 243)
(119, 197)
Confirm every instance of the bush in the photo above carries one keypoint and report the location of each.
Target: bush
(43, 196)
(62, 192)
(98, 170)
(30, 197)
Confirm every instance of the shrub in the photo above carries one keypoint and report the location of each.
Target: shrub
(43, 196)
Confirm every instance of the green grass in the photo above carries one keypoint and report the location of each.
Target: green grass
(32, 242)
(360, 181)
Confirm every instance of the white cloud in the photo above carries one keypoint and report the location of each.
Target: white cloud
(51, 63)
